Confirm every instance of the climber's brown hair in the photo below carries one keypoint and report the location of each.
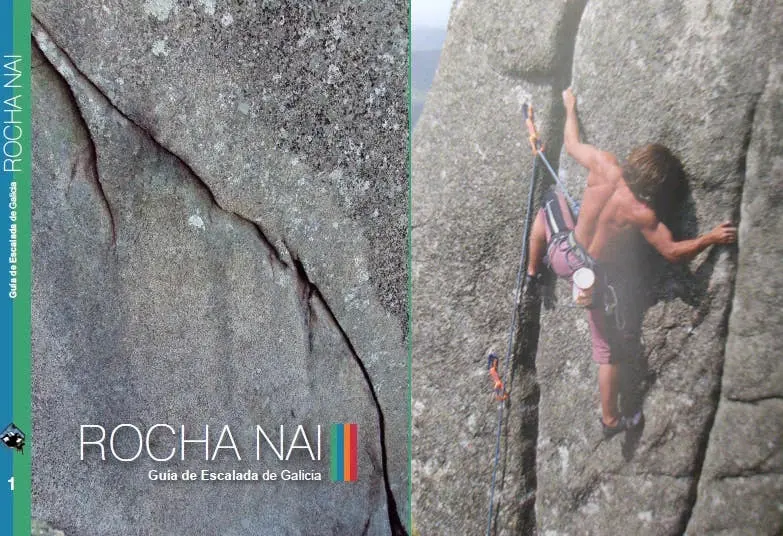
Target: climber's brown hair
(647, 168)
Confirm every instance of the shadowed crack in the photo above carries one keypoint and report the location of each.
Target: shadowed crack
(90, 163)
(756, 469)
(366, 528)
(43, 36)
(704, 440)
(308, 292)
(305, 292)
(528, 323)
(558, 72)
(754, 400)
(560, 79)
(566, 44)
(748, 474)
(307, 289)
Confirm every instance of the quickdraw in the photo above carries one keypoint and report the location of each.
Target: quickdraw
(535, 142)
(538, 150)
(492, 366)
(612, 305)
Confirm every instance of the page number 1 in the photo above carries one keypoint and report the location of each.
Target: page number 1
(11, 481)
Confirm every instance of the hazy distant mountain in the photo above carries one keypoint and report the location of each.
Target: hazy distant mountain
(427, 38)
(426, 44)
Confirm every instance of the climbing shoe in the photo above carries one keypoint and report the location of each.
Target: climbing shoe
(623, 424)
(532, 284)
(531, 294)
(541, 285)
(546, 284)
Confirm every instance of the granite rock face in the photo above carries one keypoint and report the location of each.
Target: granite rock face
(744, 457)
(701, 339)
(40, 528)
(220, 204)
(471, 169)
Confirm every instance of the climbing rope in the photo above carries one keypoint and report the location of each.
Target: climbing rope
(517, 296)
(501, 394)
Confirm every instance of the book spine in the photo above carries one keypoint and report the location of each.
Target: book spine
(15, 252)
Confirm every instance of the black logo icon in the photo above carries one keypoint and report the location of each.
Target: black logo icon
(13, 437)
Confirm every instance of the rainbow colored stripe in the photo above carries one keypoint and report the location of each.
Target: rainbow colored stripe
(344, 447)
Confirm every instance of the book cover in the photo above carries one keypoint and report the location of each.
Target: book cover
(219, 247)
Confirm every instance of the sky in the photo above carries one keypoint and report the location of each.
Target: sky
(430, 12)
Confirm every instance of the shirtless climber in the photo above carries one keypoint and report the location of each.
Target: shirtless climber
(617, 199)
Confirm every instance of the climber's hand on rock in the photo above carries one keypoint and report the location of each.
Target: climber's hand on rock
(569, 99)
(725, 233)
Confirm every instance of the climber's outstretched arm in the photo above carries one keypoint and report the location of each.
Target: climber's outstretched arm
(597, 161)
(657, 234)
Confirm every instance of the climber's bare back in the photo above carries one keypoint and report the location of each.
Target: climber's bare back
(609, 209)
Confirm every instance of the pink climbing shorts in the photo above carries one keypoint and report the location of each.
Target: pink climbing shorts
(564, 263)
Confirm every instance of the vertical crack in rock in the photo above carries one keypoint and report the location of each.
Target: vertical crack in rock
(704, 440)
(307, 288)
(525, 350)
(91, 166)
(529, 323)
(561, 77)
(305, 293)
(90, 163)
(43, 36)
(566, 44)
(309, 291)
(366, 529)
(558, 73)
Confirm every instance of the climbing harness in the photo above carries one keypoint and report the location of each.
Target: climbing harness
(560, 231)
